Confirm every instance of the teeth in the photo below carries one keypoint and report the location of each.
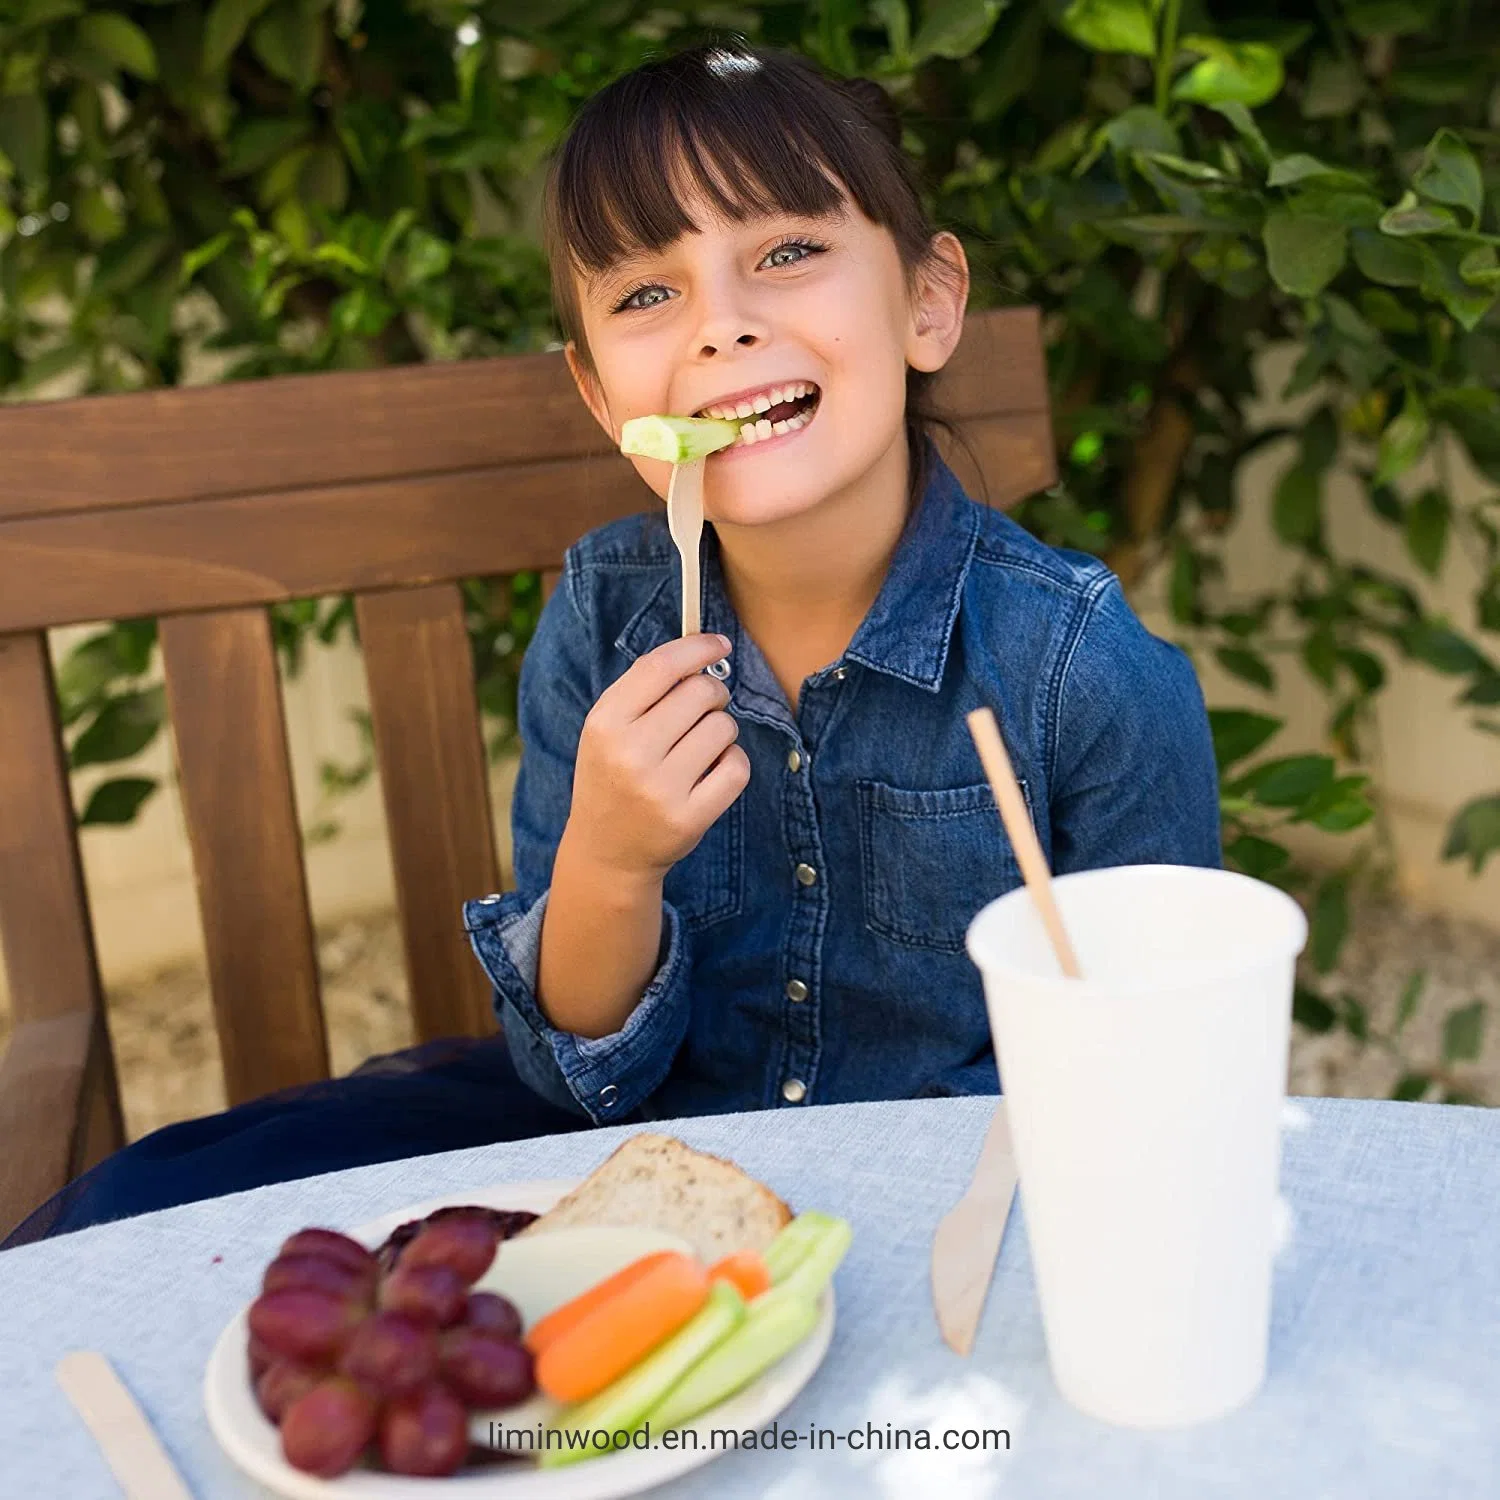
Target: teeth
(762, 403)
(744, 409)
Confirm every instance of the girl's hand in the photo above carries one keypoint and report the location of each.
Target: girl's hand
(657, 762)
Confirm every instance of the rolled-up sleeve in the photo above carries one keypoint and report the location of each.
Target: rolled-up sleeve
(603, 1078)
(1133, 778)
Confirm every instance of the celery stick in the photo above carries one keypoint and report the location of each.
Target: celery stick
(679, 440)
(623, 1405)
(776, 1324)
(795, 1241)
(815, 1270)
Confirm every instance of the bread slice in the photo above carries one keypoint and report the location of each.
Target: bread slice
(655, 1181)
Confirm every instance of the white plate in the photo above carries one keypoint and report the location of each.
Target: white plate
(254, 1444)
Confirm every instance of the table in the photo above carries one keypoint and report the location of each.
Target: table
(1385, 1352)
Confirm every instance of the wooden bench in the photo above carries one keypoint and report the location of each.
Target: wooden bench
(201, 507)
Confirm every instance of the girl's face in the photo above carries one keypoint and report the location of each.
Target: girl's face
(739, 312)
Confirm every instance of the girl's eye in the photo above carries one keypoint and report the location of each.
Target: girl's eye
(807, 249)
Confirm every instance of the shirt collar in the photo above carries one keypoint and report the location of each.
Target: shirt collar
(907, 631)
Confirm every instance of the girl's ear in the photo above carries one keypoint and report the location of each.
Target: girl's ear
(942, 293)
(588, 388)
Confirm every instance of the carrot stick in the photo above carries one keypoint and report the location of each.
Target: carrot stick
(570, 1314)
(622, 1329)
(746, 1270)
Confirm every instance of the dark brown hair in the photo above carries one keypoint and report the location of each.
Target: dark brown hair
(759, 131)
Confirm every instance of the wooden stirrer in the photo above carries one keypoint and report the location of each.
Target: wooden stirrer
(1023, 839)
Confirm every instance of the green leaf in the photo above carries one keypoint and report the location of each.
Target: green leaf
(225, 28)
(1237, 733)
(1332, 88)
(1474, 833)
(1112, 26)
(1256, 857)
(205, 254)
(955, 28)
(1304, 254)
(324, 179)
(1388, 17)
(117, 801)
(1248, 73)
(1300, 167)
(1297, 506)
(1319, 440)
(1141, 128)
(1442, 649)
(289, 41)
(1427, 519)
(1481, 267)
(1443, 281)
(1339, 807)
(120, 40)
(362, 312)
(1392, 262)
(127, 262)
(1450, 174)
(426, 256)
(257, 143)
(121, 729)
(1248, 666)
(1312, 1011)
(1411, 1087)
(1463, 1033)
(25, 133)
(894, 16)
(1404, 440)
(1411, 217)
(1245, 126)
(1329, 925)
(1287, 782)
(1411, 997)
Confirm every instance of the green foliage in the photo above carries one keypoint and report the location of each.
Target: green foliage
(241, 188)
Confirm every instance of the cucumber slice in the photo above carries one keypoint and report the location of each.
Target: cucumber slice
(678, 440)
(622, 1406)
(777, 1322)
(815, 1270)
(795, 1241)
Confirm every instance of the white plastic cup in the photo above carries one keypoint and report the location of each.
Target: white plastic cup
(1145, 1105)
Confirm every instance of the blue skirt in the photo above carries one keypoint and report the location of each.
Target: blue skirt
(443, 1096)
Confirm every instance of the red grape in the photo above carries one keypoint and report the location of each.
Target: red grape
(491, 1313)
(465, 1244)
(317, 1273)
(303, 1324)
(426, 1433)
(435, 1294)
(325, 1431)
(391, 1354)
(485, 1371)
(262, 1357)
(330, 1245)
(284, 1382)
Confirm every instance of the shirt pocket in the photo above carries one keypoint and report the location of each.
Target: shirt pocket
(707, 886)
(931, 860)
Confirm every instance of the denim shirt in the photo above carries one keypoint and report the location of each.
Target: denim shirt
(813, 942)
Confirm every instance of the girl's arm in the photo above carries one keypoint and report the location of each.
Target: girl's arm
(612, 960)
(1131, 762)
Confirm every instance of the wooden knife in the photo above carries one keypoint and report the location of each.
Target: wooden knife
(968, 1238)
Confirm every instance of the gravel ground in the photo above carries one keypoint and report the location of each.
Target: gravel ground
(169, 1063)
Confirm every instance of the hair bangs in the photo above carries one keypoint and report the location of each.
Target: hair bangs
(715, 126)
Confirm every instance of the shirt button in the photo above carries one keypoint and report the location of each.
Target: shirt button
(720, 669)
(488, 900)
(840, 673)
(793, 761)
(806, 875)
(796, 991)
(794, 1091)
(607, 1096)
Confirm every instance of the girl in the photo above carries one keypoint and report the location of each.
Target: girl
(749, 888)
(746, 859)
